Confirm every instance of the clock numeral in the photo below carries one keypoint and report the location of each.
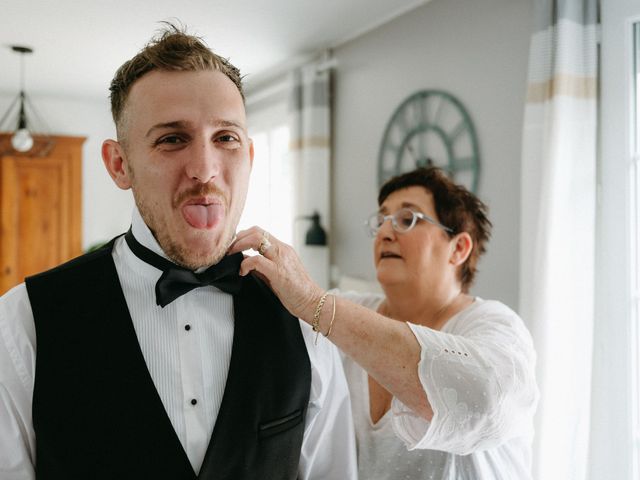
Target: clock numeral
(402, 121)
(424, 113)
(392, 147)
(419, 114)
(438, 110)
(422, 142)
(461, 127)
(416, 158)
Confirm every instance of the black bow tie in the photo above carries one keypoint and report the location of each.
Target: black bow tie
(176, 281)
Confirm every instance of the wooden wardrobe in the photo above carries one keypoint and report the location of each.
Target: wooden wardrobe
(40, 209)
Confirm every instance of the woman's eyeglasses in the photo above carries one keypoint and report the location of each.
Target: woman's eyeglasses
(402, 221)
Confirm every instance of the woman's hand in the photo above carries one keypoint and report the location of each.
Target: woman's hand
(280, 267)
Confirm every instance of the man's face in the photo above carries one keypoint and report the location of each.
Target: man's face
(187, 158)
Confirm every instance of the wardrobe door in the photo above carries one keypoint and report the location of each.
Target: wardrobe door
(40, 210)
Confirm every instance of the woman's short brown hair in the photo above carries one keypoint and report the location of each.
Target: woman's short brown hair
(456, 207)
(171, 50)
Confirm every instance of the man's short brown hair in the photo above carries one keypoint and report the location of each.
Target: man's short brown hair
(456, 207)
(171, 50)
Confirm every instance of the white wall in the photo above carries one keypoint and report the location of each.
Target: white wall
(478, 51)
(106, 210)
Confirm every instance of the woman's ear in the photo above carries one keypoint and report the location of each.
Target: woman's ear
(461, 248)
(115, 161)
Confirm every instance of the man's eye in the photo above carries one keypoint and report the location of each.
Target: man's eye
(227, 138)
(170, 140)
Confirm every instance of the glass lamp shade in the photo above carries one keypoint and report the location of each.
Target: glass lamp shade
(22, 141)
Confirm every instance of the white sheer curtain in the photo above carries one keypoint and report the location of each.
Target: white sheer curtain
(558, 228)
(310, 149)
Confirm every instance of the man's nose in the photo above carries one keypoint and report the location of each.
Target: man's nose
(204, 162)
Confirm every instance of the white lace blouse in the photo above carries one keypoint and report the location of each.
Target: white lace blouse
(478, 373)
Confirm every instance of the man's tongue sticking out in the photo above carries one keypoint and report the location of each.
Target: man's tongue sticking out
(203, 215)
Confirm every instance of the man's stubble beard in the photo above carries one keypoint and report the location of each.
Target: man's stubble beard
(180, 254)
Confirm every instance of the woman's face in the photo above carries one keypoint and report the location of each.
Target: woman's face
(419, 256)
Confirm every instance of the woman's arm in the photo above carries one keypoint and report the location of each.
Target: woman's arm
(385, 348)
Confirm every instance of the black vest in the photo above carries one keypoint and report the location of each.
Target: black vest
(97, 414)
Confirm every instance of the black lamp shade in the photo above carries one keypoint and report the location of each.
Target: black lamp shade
(316, 234)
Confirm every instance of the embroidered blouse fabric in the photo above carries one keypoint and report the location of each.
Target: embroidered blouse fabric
(479, 375)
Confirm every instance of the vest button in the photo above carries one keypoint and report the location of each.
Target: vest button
(193, 401)
(187, 327)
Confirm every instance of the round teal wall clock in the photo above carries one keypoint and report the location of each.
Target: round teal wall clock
(431, 127)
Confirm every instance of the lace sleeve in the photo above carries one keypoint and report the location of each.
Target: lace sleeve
(478, 374)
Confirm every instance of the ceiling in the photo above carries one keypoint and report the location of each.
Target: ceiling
(79, 44)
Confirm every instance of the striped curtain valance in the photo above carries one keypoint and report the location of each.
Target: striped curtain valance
(563, 58)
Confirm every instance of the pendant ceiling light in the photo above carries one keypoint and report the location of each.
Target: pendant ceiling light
(23, 139)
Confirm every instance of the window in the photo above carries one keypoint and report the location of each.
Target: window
(270, 198)
(615, 440)
(635, 241)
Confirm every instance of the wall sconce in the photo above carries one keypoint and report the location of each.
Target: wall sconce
(315, 235)
(23, 139)
(314, 253)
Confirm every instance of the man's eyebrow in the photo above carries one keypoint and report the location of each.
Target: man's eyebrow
(228, 123)
(181, 124)
(161, 126)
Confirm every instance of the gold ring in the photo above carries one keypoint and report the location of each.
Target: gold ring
(265, 244)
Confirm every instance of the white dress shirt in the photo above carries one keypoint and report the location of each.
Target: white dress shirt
(187, 349)
(478, 373)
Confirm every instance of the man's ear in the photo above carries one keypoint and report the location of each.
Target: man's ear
(251, 153)
(115, 161)
(461, 249)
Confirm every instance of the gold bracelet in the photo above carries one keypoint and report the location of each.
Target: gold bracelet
(333, 317)
(315, 324)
